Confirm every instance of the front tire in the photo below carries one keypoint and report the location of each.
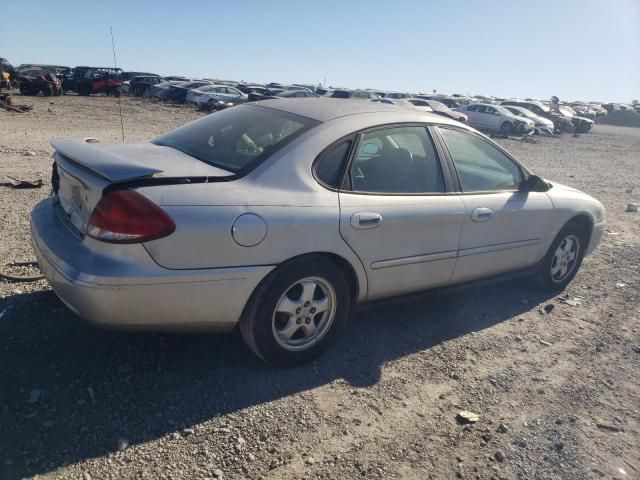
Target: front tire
(506, 129)
(564, 258)
(296, 312)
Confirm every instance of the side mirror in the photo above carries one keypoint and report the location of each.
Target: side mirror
(534, 183)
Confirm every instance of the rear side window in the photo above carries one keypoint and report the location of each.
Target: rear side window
(330, 164)
(237, 138)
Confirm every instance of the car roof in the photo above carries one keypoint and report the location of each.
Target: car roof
(325, 109)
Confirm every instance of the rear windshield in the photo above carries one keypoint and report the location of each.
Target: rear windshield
(238, 138)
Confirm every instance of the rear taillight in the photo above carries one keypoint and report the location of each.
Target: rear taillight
(128, 217)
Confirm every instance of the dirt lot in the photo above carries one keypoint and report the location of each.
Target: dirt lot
(557, 393)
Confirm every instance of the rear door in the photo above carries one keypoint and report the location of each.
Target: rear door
(504, 227)
(397, 211)
(475, 116)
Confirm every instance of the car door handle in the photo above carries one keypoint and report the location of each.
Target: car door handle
(482, 214)
(365, 220)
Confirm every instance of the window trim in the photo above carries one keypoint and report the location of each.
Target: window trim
(347, 187)
(523, 170)
(352, 137)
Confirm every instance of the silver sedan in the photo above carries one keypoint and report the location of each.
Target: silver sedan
(279, 216)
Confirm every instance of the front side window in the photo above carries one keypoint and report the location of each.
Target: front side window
(234, 138)
(480, 165)
(396, 160)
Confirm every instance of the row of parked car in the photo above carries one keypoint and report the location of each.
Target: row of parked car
(505, 116)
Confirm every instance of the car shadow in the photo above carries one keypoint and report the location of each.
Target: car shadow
(69, 391)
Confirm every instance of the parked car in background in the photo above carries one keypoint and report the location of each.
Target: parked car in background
(543, 126)
(441, 109)
(177, 91)
(216, 93)
(99, 80)
(213, 225)
(279, 93)
(37, 80)
(129, 75)
(581, 124)
(70, 80)
(561, 122)
(496, 119)
(251, 87)
(140, 86)
(415, 103)
(450, 102)
(174, 78)
(397, 95)
(584, 110)
(353, 94)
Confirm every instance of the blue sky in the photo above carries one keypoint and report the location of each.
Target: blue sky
(576, 49)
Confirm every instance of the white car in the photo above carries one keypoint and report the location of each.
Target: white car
(543, 126)
(497, 119)
(210, 93)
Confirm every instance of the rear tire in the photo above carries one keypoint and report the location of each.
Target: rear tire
(564, 258)
(297, 311)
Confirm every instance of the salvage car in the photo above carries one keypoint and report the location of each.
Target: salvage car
(177, 91)
(581, 124)
(280, 93)
(278, 216)
(561, 122)
(496, 119)
(140, 86)
(441, 109)
(216, 93)
(99, 80)
(352, 94)
(543, 126)
(37, 81)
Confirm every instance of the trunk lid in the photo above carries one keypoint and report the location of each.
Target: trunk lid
(83, 168)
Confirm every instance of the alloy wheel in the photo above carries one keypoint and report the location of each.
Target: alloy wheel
(304, 313)
(564, 260)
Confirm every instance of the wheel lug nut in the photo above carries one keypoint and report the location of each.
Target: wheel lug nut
(298, 310)
(298, 321)
(313, 310)
(307, 320)
(306, 304)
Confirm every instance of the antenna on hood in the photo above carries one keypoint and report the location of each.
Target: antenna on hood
(115, 65)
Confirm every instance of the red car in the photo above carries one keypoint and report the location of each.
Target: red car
(38, 80)
(100, 80)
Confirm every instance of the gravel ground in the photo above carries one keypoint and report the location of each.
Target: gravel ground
(557, 393)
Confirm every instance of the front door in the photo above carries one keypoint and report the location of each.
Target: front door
(504, 227)
(396, 214)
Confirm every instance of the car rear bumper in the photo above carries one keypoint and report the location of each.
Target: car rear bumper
(121, 287)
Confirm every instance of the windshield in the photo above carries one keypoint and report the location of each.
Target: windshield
(238, 138)
(523, 112)
(502, 110)
(438, 106)
(567, 111)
